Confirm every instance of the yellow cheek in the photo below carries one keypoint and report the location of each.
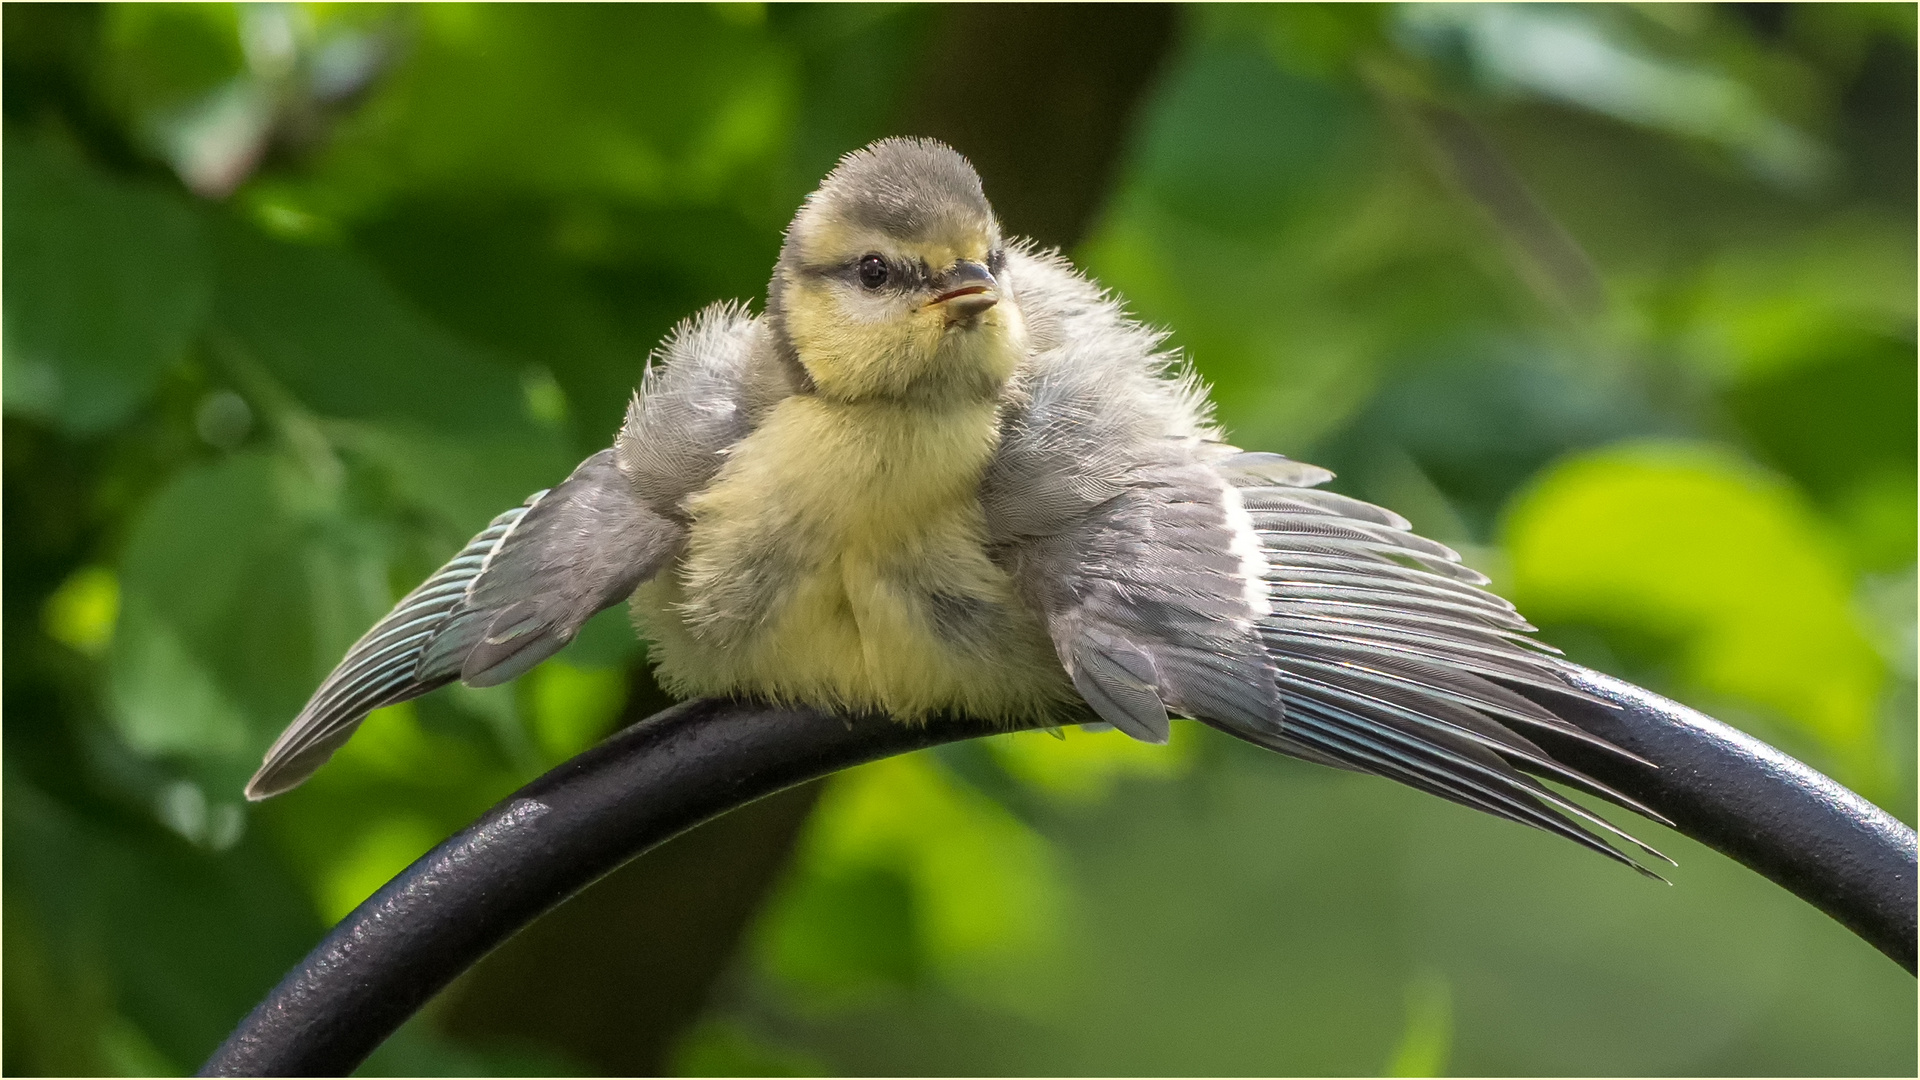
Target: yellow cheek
(847, 357)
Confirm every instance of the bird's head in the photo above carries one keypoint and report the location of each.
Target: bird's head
(890, 284)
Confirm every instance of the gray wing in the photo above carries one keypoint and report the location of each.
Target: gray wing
(1148, 608)
(1178, 575)
(1393, 659)
(515, 595)
(519, 591)
(1313, 624)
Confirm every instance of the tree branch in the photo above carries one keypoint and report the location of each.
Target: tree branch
(697, 760)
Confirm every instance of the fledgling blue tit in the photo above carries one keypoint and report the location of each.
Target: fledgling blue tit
(944, 472)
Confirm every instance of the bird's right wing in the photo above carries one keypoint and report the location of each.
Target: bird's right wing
(515, 595)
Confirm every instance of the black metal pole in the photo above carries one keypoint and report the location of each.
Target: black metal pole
(540, 845)
(1754, 804)
(698, 760)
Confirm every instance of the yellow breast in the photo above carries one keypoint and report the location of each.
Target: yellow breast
(839, 560)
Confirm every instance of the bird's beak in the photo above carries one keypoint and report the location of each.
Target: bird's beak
(965, 290)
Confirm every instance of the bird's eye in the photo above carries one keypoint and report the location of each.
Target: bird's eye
(873, 271)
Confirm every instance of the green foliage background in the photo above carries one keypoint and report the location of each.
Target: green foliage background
(1617, 300)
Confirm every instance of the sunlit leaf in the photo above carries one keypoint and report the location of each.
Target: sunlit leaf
(374, 858)
(982, 889)
(1424, 1046)
(1082, 767)
(1719, 558)
(572, 707)
(82, 611)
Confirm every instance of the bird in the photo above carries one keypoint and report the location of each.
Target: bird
(944, 472)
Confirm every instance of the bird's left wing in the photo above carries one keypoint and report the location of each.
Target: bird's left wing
(515, 595)
(1177, 574)
(1233, 592)
(1149, 605)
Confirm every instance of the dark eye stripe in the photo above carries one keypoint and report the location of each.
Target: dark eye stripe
(900, 277)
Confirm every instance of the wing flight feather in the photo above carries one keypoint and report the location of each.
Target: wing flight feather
(513, 596)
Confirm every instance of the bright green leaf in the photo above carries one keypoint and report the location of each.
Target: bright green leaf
(82, 611)
(985, 889)
(1424, 1046)
(1691, 545)
(387, 848)
(573, 707)
(1082, 766)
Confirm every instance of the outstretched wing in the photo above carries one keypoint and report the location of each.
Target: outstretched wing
(1310, 623)
(1179, 575)
(1393, 659)
(515, 595)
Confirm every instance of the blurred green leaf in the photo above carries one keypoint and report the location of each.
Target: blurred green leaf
(1082, 767)
(161, 57)
(185, 940)
(572, 706)
(335, 343)
(1762, 310)
(241, 590)
(1472, 420)
(81, 613)
(719, 1048)
(846, 929)
(1423, 1047)
(981, 891)
(1216, 227)
(640, 103)
(419, 1050)
(389, 847)
(128, 1052)
(1195, 160)
(1839, 421)
(346, 347)
(1585, 56)
(1723, 561)
(108, 282)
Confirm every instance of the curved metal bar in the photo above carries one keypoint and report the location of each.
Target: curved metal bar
(1754, 804)
(537, 847)
(698, 760)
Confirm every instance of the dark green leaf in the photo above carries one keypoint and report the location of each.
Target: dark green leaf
(107, 283)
